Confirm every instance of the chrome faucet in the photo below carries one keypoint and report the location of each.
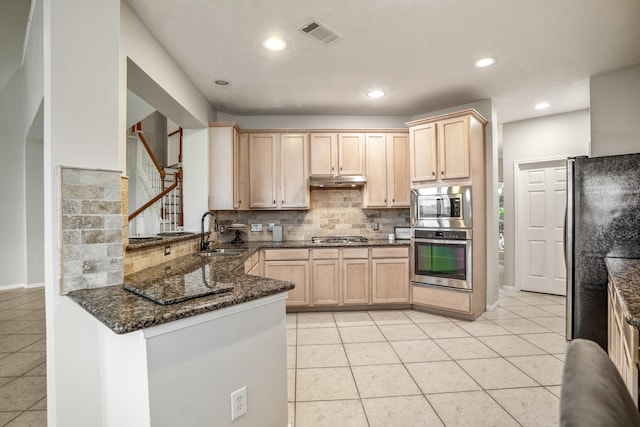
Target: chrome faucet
(204, 244)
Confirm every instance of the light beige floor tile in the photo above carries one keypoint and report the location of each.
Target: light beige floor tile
(511, 302)
(475, 409)
(316, 320)
(441, 377)
(528, 311)
(555, 323)
(555, 389)
(545, 369)
(318, 336)
(38, 346)
(291, 385)
(353, 318)
(481, 328)
(292, 320)
(403, 332)
(549, 342)
(5, 380)
(22, 393)
(13, 314)
(17, 364)
(291, 412)
(443, 330)
(419, 351)
(496, 373)
(39, 328)
(291, 336)
(291, 357)
(325, 384)
(558, 299)
(40, 406)
(33, 306)
(15, 326)
(561, 356)
(16, 342)
(321, 356)
(511, 345)
(520, 326)
(533, 299)
(531, 407)
(371, 353)
(403, 411)
(499, 313)
(33, 315)
(556, 310)
(465, 348)
(353, 334)
(5, 417)
(330, 414)
(424, 317)
(384, 381)
(389, 317)
(30, 419)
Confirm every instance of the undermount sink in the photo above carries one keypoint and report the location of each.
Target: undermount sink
(222, 251)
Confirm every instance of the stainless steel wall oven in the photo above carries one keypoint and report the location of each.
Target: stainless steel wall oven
(442, 258)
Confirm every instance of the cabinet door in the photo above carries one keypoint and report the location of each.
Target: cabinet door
(398, 181)
(453, 140)
(376, 154)
(324, 155)
(294, 157)
(390, 280)
(351, 154)
(241, 173)
(423, 165)
(262, 171)
(291, 271)
(221, 164)
(355, 281)
(326, 289)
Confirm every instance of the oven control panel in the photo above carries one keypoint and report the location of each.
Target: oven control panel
(441, 234)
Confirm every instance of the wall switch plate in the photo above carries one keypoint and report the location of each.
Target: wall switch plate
(167, 250)
(256, 227)
(271, 224)
(238, 403)
(375, 226)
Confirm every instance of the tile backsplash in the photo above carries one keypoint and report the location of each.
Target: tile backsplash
(334, 212)
(91, 226)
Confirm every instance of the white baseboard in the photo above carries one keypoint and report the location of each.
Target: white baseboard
(21, 286)
(492, 307)
(505, 291)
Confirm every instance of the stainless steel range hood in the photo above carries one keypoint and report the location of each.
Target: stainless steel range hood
(337, 181)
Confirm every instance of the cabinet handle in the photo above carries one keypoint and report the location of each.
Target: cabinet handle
(433, 173)
(441, 172)
(340, 168)
(393, 200)
(332, 168)
(385, 200)
(283, 202)
(274, 202)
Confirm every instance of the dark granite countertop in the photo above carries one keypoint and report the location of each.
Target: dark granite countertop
(624, 274)
(123, 311)
(142, 242)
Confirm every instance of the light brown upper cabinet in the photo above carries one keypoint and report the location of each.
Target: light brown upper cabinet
(278, 165)
(441, 147)
(337, 154)
(387, 170)
(228, 168)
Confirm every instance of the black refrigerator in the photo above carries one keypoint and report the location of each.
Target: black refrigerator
(603, 220)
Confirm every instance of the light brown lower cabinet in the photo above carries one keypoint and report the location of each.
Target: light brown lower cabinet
(291, 265)
(354, 276)
(326, 277)
(390, 275)
(623, 344)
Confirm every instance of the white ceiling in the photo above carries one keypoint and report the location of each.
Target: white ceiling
(421, 52)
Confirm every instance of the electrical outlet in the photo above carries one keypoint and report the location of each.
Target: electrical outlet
(221, 228)
(238, 403)
(375, 225)
(167, 250)
(256, 227)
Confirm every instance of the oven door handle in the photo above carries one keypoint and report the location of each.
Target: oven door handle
(446, 242)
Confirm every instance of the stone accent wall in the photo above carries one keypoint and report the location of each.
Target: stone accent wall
(139, 259)
(334, 212)
(91, 229)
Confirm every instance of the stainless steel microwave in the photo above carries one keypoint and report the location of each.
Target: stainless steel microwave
(441, 207)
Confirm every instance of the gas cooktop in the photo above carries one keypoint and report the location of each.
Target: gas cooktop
(339, 239)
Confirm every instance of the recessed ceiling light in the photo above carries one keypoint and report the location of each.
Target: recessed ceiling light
(274, 43)
(375, 94)
(221, 82)
(485, 62)
(542, 105)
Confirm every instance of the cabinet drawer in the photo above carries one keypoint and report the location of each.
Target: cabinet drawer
(387, 252)
(438, 298)
(326, 253)
(285, 254)
(351, 253)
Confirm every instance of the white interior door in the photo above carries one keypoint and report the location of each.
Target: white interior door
(542, 200)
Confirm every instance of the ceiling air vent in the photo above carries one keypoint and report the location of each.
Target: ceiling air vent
(321, 32)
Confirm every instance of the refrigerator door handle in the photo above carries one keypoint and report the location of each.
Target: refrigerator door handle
(568, 246)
